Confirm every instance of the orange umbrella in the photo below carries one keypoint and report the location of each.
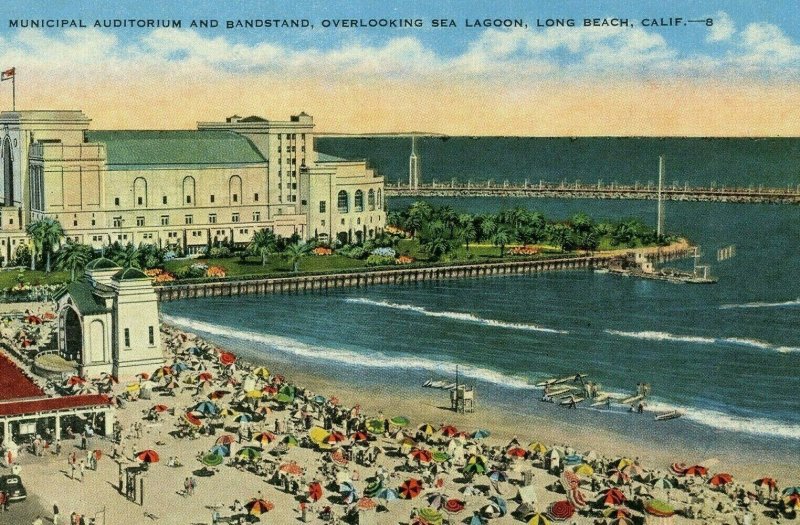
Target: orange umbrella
(292, 468)
(420, 455)
(226, 439)
(612, 497)
(335, 437)
(315, 491)
(696, 470)
(75, 380)
(147, 456)
(257, 507)
(516, 452)
(718, 480)
(227, 358)
(770, 483)
(265, 438)
(205, 377)
(192, 419)
(159, 408)
(366, 504)
(97, 454)
(410, 488)
(217, 394)
(449, 430)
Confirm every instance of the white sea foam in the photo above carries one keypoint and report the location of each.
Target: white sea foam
(783, 304)
(364, 358)
(457, 316)
(737, 341)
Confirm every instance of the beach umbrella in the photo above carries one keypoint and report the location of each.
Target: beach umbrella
(429, 516)
(678, 468)
(265, 438)
(147, 456)
(228, 412)
(243, 418)
(792, 501)
(207, 408)
(261, 372)
(501, 504)
(74, 380)
(375, 426)
(560, 510)
(476, 519)
(221, 450)
(481, 434)
(253, 394)
(109, 378)
(427, 429)
(788, 491)
(269, 390)
(359, 437)
(179, 367)
(437, 500)
(192, 419)
(573, 459)
(584, 469)
(400, 421)
(366, 504)
(696, 470)
(622, 520)
(163, 372)
(348, 493)
(439, 456)
(133, 387)
(159, 408)
(226, 358)
(373, 489)
(143, 375)
(539, 519)
(516, 452)
(453, 506)
(719, 480)
(618, 477)
(569, 480)
(577, 499)
(659, 508)
(410, 488)
(212, 459)
(617, 512)
(291, 468)
(337, 456)
(769, 483)
(420, 455)
(334, 438)
(623, 462)
(611, 497)
(248, 453)
(497, 475)
(662, 483)
(257, 507)
(205, 377)
(226, 439)
(263, 410)
(449, 431)
(387, 494)
(290, 441)
(475, 465)
(315, 491)
(536, 446)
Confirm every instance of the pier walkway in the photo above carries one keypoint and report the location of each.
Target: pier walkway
(577, 190)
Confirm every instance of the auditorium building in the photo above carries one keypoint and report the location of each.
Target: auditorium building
(187, 189)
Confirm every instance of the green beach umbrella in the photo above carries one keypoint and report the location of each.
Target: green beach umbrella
(290, 441)
(430, 516)
(373, 489)
(284, 399)
(440, 457)
(212, 459)
(249, 453)
(400, 421)
(375, 426)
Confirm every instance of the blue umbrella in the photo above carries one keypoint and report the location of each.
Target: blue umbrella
(498, 475)
(194, 351)
(573, 459)
(221, 450)
(206, 407)
(319, 399)
(388, 494)
(476, 520)
(348, 492)
(180, 366)
(501, 504)
(481, 434)
(243, 418)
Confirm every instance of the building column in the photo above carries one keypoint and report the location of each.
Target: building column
(58, 426)
(108, 429)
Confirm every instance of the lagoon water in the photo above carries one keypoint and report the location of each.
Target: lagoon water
(728, 354)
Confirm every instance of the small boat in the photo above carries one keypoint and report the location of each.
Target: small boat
(436, 384)
(673, 414)
(632, 399)
(569, 401)
(560, 380)
(558, 391)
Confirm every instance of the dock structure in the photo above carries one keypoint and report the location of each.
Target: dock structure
(600, 190)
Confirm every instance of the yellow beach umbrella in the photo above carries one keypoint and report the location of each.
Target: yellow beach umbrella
(539, 519)
(133, 387)
(254, 394)
(261, 371)
(228, 412)
(584, 470)
(624, 462)
(318, 435)
(536, 446)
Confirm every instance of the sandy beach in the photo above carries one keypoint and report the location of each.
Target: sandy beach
(200, 373)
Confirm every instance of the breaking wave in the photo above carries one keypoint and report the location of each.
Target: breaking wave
(735, 341)
(783, 304)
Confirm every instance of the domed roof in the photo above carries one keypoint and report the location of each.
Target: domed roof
(102, 264)
(129, 273)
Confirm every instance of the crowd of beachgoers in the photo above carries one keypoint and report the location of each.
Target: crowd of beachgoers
(211, 438)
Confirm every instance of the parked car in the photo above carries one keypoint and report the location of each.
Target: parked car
(12, 485)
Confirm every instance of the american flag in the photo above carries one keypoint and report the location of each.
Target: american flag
(8, 74)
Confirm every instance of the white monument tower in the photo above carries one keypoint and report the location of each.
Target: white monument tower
(413, 165)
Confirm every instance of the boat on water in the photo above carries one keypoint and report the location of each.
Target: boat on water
(560, 380)
(443, 385)
(673, 414)
(639, 265)
(571, 399)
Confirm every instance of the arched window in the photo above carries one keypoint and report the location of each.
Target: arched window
(8, 174)
(371, 200)
(139, 192)
(188, 190)
(380, 199)
(234, 189)
(343, 202)
(358, 202)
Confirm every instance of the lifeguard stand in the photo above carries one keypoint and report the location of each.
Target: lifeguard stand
(462, 399)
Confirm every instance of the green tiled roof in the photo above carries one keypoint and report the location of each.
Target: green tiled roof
(127, 150)
(83, 298)
(101, 264)
(129, 273)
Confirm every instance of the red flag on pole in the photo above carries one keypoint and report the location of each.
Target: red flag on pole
(8, 74)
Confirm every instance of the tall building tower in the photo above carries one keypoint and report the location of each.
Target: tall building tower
(413, 165)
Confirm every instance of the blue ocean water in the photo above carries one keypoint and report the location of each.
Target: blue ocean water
(728, 354)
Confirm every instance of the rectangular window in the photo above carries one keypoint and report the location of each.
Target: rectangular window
(304, 202)
(151, 335)
(256, 216)
(188, 199)
(127, 338)
(74, 223)
(235, 217)
(212, 218)
(322, 206)
(139, 201)
(189, 219)
(117, 222)
(211, 198)
(164, 199)
(235, 197)
(165, 220)
(294, 185)
(93, 222)
(139, 221)
(116, 201)
(255, 197)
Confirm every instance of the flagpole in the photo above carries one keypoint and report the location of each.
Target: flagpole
(14, 92)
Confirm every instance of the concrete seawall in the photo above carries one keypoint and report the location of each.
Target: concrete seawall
(324, 282)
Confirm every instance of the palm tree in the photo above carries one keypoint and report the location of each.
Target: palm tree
(46, 233)
(501, 237)
(127, 257)
(467, 233)
(488, 227)
(264, 243)
(449, 217)
(73, 256)
(419, 214)
(295, 253)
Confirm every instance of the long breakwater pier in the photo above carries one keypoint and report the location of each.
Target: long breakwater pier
(599, 190)
(392, 276)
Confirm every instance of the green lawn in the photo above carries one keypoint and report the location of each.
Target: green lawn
(275, 264)
(8, 278)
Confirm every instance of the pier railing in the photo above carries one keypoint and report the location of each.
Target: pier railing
(599, 190)
(383, 276)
